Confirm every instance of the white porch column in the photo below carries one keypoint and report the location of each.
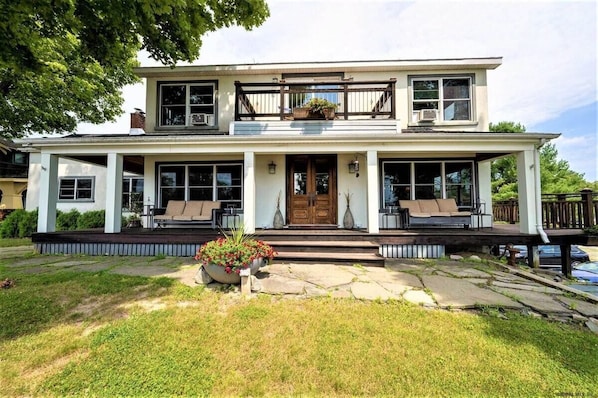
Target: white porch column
(485, 192)
(48, 193)
(114, 193)
(373, 198)
(527, 192)
(249, 192)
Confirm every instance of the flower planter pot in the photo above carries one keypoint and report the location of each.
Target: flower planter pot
(219, 274)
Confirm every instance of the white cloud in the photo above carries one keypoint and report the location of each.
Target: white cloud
(549, 47)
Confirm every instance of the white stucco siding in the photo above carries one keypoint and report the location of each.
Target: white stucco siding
(69, 168)
(226, 95)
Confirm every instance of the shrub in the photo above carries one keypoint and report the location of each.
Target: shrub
(593, 230)
(67, 221)
(91, 219)
(28, 224)
(19, 224)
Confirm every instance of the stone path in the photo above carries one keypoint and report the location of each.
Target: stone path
(446, 284)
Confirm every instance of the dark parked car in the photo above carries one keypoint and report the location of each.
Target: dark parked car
(550, 255)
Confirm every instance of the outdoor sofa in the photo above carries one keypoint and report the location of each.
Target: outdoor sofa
(180, 212)
(434, 212)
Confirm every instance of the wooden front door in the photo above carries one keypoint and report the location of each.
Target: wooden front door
(312, 189)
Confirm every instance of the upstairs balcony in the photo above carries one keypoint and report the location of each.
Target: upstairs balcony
(272, 108)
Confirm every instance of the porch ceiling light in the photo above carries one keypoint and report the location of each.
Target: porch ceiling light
(272, 167)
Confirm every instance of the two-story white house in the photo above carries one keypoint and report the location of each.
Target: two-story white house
(403, 129)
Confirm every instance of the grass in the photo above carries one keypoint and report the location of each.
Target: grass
(99, 334)
(13, 242)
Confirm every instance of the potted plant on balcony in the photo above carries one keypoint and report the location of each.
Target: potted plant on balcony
(315, 108)
(224, 258)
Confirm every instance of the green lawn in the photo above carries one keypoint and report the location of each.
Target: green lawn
(99, 334)
(12, 242)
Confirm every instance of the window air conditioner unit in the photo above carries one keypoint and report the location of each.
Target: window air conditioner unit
(199, 119)
(427, 115)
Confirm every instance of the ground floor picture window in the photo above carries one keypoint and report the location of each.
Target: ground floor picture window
(405, 180)
(221, 182)
(76, 189)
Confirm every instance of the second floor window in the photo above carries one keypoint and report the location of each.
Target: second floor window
(187, 104)
(79, 189)
(441, 99)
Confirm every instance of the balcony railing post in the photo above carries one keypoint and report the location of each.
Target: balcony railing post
(393, 110)
(512, 210)
(346, 101)
(237, 96)
(282, 101)
(588, 208)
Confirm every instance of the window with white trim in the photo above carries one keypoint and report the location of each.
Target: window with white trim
(78, 189)
(441, 99)
(222, 182)
(191, 104)
(132, 194)
(428, 180)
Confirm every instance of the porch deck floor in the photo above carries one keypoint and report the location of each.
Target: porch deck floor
(499, 234)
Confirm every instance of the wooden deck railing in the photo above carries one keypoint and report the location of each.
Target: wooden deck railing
(276, 100)
(559, 211)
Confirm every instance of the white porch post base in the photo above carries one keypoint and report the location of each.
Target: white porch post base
(373, 194)
(527, 192)
(48, 193)
(249, 193)
(114, 188)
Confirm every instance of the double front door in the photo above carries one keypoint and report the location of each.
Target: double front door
(312, 189)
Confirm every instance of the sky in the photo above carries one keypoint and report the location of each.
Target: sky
(547, 81)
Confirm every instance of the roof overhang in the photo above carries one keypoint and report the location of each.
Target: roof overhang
(481, 145)
(298, 67)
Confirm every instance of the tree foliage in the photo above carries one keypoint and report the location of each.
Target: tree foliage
(63, 62)
(555, 174)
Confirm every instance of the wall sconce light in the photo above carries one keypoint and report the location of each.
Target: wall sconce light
(354, 166)
(272, 167)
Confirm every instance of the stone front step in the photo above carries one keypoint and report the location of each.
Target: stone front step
(338, 252)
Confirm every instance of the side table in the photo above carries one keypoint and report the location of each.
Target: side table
(226, 216)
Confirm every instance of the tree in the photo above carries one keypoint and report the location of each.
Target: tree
(555, 174)
(504, 170)
(63, 62)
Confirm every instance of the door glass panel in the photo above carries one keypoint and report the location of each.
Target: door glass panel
(300, 178)
(322, 178)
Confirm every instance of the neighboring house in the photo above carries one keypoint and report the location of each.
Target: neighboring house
(82, 186)
(13, 175)
(404, 129)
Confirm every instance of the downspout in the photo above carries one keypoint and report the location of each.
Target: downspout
(538, 198)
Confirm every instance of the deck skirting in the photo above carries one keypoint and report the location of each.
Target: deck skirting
(412, 251)
(119, 249)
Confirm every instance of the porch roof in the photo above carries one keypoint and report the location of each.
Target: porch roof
(321, 66)
(439, 141)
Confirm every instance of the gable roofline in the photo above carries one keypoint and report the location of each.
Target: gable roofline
(321, 66)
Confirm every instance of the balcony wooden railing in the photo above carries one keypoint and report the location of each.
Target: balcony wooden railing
(276, 100)
(559, 211)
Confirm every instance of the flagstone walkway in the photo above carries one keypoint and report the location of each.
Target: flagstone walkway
(445, 284)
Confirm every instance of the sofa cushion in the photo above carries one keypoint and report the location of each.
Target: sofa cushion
(440, 214)
(202, 218)
(428, 206)
(448, 205)
(412, 205)
(193, 208)
(460, 213)
(175, 207)
(419, 215)
(208, 207)
(182, 218)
